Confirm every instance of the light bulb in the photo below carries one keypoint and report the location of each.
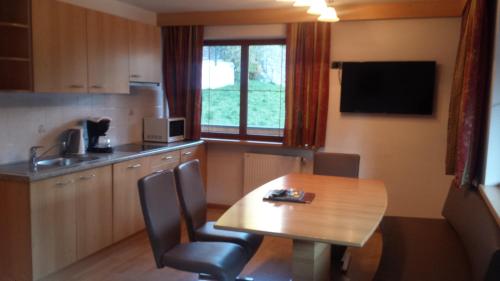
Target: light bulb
(329, 15)
(317, 7)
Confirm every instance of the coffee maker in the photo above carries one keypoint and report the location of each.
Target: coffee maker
(98, 142)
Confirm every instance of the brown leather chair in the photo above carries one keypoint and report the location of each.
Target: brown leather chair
(194, 205)
(219, 260)
(336, 164)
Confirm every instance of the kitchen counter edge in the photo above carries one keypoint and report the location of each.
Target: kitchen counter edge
(110, 159)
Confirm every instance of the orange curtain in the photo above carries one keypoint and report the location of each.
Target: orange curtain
(307, 84)
(182, 60)
(470, 92)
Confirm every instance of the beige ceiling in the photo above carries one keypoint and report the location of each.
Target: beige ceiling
(174, 6)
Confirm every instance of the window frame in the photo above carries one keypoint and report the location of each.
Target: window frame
(245, 46)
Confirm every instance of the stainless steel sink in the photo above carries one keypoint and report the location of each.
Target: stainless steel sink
(64, 161)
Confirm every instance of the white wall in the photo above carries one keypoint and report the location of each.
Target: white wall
(117, 8)
(406, 152)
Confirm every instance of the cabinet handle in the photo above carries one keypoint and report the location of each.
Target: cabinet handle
(83, 178)
(188, 153)
(167, 158)
(63, 183)
(135, 76)
(96, 87)
(134, 166)
(76, 86)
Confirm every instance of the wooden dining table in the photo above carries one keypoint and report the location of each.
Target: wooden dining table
(344, 211)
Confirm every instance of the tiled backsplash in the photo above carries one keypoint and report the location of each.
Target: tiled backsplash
(28, 119)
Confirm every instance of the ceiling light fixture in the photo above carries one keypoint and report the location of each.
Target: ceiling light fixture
(329, 15)
(317, 7)
(321, 8)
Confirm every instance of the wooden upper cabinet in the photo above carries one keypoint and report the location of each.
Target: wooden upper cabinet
(59, 47)
(145, 53)
(108, 53)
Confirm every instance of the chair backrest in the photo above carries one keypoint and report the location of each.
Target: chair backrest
(468, 214)
(336, 164)
(161, 212)
(191, 195)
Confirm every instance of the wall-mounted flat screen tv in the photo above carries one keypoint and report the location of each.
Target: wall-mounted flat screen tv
(388, 87)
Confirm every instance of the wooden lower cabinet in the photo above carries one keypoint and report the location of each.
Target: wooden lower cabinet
(53, 225)
(49, 224)
(70, 219)
(94, 210)
(127, 213)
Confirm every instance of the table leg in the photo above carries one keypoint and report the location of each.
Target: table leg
(311, 261)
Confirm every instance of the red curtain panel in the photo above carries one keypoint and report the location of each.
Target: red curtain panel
(307, 84)
(470, 94)
(182, 64)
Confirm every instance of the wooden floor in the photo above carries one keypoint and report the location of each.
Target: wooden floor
(132, 260)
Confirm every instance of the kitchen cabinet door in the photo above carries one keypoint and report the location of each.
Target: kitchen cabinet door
(94, 210)
(145, 53)
(59, 47)
(108, 53)
(127, 212)
(53, 225)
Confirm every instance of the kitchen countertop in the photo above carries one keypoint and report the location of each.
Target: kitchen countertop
(20, 171)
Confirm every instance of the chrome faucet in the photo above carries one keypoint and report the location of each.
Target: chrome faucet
(34, 157)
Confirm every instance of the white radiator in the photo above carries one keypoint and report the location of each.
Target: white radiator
(261, 168)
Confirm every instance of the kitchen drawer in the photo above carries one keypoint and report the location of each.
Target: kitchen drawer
(165, 161)
(190, 153)
(196, 152)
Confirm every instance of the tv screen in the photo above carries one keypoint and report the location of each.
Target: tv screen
(388, 87)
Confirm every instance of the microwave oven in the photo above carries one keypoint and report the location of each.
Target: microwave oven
(164, 129)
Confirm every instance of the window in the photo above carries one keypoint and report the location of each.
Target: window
(243, 91)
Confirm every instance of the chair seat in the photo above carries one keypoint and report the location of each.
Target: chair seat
(250, 242)
(223, 261)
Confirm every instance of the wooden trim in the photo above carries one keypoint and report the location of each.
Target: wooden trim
(15, 226)
(12, 24)
(241, 137)
(240, 42)
(346, 12)
(218, 206)
(15, 59)
(243, 142)
(244, 89)
(491, 195)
